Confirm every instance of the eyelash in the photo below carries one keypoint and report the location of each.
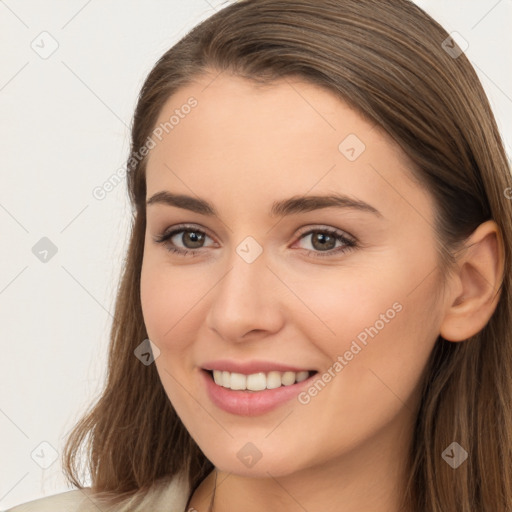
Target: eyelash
(349, 243)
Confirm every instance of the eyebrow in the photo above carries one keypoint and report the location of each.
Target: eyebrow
(293, 205)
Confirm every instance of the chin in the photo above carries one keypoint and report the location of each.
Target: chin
(248, 459)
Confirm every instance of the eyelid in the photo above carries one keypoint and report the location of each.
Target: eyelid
(349, 241)
(320, 227)
(169, 232)
(302, 231)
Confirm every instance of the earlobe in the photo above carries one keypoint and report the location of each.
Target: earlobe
(478, 280)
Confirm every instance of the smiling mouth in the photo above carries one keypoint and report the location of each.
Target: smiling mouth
(260, 381)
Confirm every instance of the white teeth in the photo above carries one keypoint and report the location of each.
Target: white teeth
(288, 378)
(238, 381)
(301, 376)
(257, 381)
(273, 380)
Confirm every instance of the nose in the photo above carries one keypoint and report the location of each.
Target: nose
(246, 304)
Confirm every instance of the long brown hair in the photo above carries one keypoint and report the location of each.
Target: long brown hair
(389, 61)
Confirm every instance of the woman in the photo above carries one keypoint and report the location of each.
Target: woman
(320, 256)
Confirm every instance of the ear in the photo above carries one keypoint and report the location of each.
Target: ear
(476, 289)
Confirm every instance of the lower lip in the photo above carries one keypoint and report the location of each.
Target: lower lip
(251, 403)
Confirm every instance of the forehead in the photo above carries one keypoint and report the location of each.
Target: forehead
(262, 143)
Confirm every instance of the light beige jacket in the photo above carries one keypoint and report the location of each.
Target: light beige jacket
(169, 496)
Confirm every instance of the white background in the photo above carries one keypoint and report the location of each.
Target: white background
(64, 131)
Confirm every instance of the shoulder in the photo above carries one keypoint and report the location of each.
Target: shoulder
(167, 495)
(69, 501)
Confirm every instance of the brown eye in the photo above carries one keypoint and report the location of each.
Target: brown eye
(190, 239)
(183, 240)
(322, 241)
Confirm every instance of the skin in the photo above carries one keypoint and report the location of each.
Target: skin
(242, 148)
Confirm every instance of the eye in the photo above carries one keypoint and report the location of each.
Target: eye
(323, 242)
(189, 236)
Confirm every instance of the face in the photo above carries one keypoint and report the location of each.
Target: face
(301, 261)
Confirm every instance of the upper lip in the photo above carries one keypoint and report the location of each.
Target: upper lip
(250, 367)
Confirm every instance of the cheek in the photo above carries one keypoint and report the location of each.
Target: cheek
(167, 307)
(375, 358)
(376, 333)
(342, 308)
(165, 299)
(393, 302)
(172, 299)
